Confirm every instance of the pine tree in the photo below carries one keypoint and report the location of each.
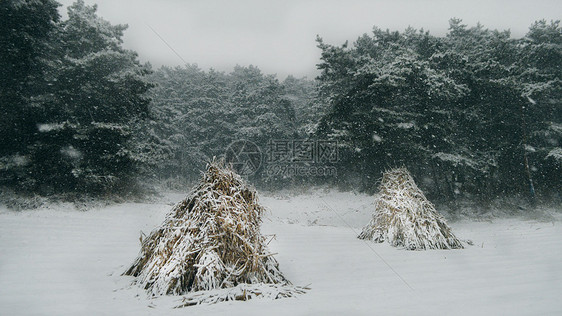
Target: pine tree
(385, 96)
(25, 53)
(99, 93)
(198, 114)
(540, 58)
(78, 95)
(475, 112)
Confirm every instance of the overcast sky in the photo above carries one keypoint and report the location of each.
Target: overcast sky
(279, 36)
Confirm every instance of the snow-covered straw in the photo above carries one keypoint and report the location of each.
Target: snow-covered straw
(242, 292)
(405, 218)
(211, 240)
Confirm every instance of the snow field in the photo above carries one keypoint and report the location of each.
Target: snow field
(59, 261)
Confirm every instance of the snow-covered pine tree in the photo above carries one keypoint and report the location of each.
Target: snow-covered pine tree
(26, 51)
(97, 93)
(541, 56)
(199, 113)
(388, 101)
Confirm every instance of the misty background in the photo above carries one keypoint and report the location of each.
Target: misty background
(92, 108)
(279, 36)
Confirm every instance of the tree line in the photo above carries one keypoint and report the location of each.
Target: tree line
(473, 113)
(70, 96)
(197, 114)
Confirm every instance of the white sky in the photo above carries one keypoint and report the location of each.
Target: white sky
(279, 36)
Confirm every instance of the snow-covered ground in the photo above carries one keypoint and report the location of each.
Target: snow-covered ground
(60, 261)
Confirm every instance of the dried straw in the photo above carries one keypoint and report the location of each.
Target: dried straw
(210, 240)
(405, 218)
(242, 292)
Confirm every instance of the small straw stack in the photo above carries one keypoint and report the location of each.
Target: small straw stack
(405, 218)
(211, 240)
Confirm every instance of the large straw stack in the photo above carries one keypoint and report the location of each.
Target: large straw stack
(209, 241)
(405, 218)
